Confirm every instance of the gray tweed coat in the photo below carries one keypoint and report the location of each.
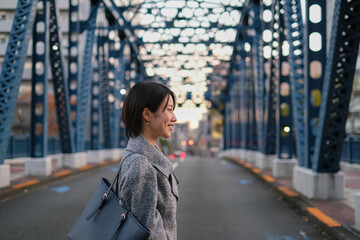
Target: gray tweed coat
(148, 188)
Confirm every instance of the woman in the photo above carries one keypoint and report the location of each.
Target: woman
(148, 187)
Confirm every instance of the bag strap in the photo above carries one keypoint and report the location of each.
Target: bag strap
(116, 179)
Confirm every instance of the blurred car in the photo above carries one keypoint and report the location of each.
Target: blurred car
(178, 154)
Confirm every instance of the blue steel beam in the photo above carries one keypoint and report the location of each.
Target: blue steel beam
(114, 106)
(13, 66)
(270, 91)
(233, 111)
(84, 86)
(119, 80)
(295, 37)
(60, 84)
(338, 82)
(227, 129)
(95, 123)
(284, 143)
(122, 71)
(114, 49)
(258, 63)
(249, 99)
(134, 41)
(264, 50)
(252, 115)
(314, 69)
(104, 93)
(39, 84)
(236, 92)
(73, 60)
(244, 111)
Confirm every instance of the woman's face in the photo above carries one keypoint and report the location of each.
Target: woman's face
(162, 121)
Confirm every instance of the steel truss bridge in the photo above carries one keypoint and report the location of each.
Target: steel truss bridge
(288, 70)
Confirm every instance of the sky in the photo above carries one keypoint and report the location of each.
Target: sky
(191, 115)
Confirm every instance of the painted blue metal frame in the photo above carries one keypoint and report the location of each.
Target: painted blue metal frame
(236, 109)
(295, 37)
(227, 129)
(60, 84)
(314, 69)
(258, 63)
(119, 80)
(112, 94)
(338, 83)
(134, 41)
(104, 92)
(284, 138)
(73, 61)
(250, 101)
(84, 86)
(125, 84)
(13, 66)
(39, 84)
(270, 93)
(95, 120)
(235, 112)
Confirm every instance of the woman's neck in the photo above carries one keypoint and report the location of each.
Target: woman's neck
(152, 140)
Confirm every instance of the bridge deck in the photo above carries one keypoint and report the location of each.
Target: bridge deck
(219, 199)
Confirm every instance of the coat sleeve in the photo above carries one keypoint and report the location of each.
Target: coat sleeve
(138, 193)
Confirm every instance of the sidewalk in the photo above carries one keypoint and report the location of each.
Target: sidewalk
(20, 182)
(334, 218)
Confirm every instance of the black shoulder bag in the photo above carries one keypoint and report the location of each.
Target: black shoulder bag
(105, 218)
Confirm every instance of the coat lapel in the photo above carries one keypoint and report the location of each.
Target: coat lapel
(142, 146)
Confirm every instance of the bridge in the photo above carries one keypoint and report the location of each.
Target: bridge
(280, 74)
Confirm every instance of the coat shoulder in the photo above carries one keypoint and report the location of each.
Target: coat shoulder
(137, 164)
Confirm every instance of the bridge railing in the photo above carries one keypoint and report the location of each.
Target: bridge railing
(19, 146)
(351, 149)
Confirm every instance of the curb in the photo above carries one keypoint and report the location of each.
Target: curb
(326, 225)
(8, 192)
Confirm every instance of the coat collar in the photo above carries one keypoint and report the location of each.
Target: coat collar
(141, 145)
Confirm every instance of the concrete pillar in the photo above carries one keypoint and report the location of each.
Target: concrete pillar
(234, 152)
(75, 160)
(318, 185)
(250, 156)
(59, 160)
(107, 154)
(95, 156)
(4, 175)
(38, 166)
(264, 161)
(242, 154)
(357, 211)
(283, 168)
(118, 153)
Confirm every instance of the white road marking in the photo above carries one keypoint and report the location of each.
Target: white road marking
(175, 165)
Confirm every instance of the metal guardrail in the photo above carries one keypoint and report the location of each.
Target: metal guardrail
(19, 146)
(351, 149)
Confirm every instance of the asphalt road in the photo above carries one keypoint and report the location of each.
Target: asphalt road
(218, 200)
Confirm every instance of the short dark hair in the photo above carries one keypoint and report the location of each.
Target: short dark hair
(143, 95)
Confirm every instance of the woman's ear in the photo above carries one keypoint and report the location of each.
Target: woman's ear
(146, 114)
